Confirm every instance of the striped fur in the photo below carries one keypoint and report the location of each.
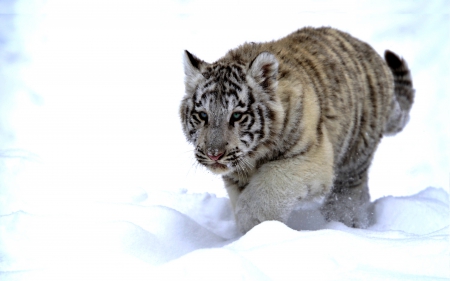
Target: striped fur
(295, 122)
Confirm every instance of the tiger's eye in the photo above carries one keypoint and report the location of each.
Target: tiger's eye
(203, 115)
(236, 116)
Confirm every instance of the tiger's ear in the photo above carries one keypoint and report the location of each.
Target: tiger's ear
(264, 69)
(192, 65)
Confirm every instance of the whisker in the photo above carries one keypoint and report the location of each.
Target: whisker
(241, 166)
(194, 165)
(238, 169)
(188, 151)
(247, 163)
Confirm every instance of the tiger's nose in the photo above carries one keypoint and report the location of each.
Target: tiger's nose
(215, 157)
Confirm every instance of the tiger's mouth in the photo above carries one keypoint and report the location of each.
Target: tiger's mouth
(223, 162)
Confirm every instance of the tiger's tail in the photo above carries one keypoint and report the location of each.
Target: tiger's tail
(403, 93)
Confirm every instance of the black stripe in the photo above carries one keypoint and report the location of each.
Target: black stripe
(296, 131)
(201, 157)
(251, 98)
(207, 84)
(319, 133)
(195, 118)
(286, 114)
(252, 120)
(399, 82)
(232, 93)
(193, 125)
(260, 132)
(400, 72)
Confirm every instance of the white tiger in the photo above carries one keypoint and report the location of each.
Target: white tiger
(295, 122)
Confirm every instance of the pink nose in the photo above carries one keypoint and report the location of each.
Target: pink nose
(215, 158)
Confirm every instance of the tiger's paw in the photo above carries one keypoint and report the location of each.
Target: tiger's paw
(253, 209)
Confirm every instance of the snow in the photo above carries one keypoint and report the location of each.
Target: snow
(166, 237)
(98, 183)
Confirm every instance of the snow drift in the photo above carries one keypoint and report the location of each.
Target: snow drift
(176, 236)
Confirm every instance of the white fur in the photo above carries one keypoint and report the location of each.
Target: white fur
(277, 186)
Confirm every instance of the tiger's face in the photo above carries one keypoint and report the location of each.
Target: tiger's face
(229, 110)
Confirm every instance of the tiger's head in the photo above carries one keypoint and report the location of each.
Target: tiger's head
(230, 110)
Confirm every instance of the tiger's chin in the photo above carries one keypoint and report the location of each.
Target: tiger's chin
(219, 169)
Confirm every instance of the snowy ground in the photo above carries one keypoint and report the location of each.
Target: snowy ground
(97, 182)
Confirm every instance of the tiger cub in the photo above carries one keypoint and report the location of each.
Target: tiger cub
(295, 122)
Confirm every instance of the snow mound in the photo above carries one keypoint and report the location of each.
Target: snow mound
(280, 253)
(178, 235)
(422, 213)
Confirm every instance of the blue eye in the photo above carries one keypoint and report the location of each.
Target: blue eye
(203, 115)
(236, 116)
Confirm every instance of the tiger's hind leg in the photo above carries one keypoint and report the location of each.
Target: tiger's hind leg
(349, 202)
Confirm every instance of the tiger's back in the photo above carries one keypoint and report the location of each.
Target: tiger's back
(328, 99)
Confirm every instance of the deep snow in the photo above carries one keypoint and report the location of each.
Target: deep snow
(97, 182)
(143, 239)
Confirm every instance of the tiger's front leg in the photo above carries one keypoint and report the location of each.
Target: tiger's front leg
(278, 186)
